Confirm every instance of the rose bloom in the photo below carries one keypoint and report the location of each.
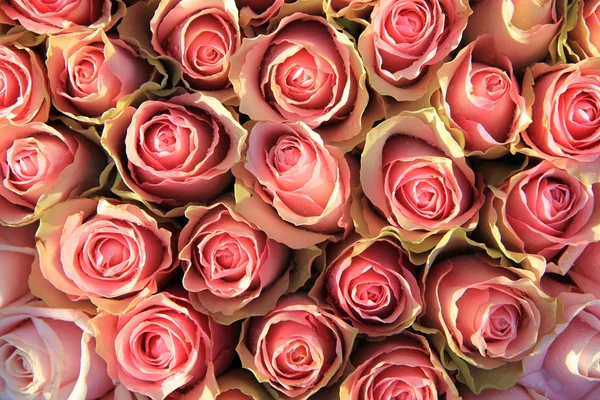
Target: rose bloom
(399, 367)
(303, 71)
(104, 251)
(201, 36)
(370, 284)
(565, 108)
(522, 30)
(257, 12)
(231, 267)
(240, 384)
(297, 348)
(479, 100)
(42, 165)
(585, 272)
(544, 211)
(90, 73)
(25, 96)
(584, 38)
(405, 39)
(61, 17)
(298, 187)
(163, 346)
(49, 353)
(17, 251)
(489, 314)
(516, 392)
(177, 151)
(417, 180)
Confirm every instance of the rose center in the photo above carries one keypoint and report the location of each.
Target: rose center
(209, 55)
(502, 323)
(25, 163)
(164, 141)
(9, 92)
(489, 83)
(585, 110)
(156, 349)
(298, 354)
(300, 77)
(225, 258)
(110, 257)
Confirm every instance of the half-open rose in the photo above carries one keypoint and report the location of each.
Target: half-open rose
(17, 251)
(42, 165)
(584, 38)
(293, 186)
(101, 250)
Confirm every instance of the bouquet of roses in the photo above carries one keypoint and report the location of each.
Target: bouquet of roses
(294, 199)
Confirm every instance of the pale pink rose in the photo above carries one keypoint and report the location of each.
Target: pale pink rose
(25, 96)
(45, 17)
(257, 12)
(369, 283)
(104, 251)
(201, 35)
(42, 165)
(231, 267)
(585, 272)
(90, 73)
(163, 347)
(479, 100)
(516, 392)
(49, 353)
(584, 38)
(173, 152)
(400, 367)
(303, 71)
(297, 348)
(522, 29)
(17, 251)
(405, 39)
(564, 100)
(299, 188)
(488, 313)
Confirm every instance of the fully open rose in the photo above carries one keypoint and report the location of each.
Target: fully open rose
(400, 367)
(297, 348)
(42, 165)
(584, 38)
(163, 347)
(17, 251)
(49, 353)
(104, 251)
(304, 71)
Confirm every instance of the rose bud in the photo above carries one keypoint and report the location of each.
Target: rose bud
(200, 36)
(232, 269)
(49, 353)
(292, 186)
(564, 104)
(541, 211)
(93, 76)
(405, 39)
(162, 347)
(490, 314)
(479, 100)
(25, 96)
(297, 348)
(585, 271)
(174, 152)
(43, 165)
(17, 251)
(61, 17)
(303, 71)
(522, 30)
(416, 180)
(240, 384)
(257, 12)
(400, 367)
(584, 38)
(369, 283)
(516, 392)
(103, 251)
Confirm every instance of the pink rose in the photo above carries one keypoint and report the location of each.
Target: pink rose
(400, 367)
(201, 36)
(303, 71)
(516, 392)
(231, 267)
(173, 152)
(25, 95)
(370, 284)
(163, 346)
(479, 100)
(489, 314)
(585, 272)
(91, 74)
(49, 353)
(240, 384)
(104, 251)
(405, 39)
(17, 251)
(565, 108)
(293, 186)
(297, 348)
(522, 29)
(42, 165)
(584, 38)
(257, 12)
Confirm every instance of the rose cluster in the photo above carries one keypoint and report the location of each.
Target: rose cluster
(300, 199)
